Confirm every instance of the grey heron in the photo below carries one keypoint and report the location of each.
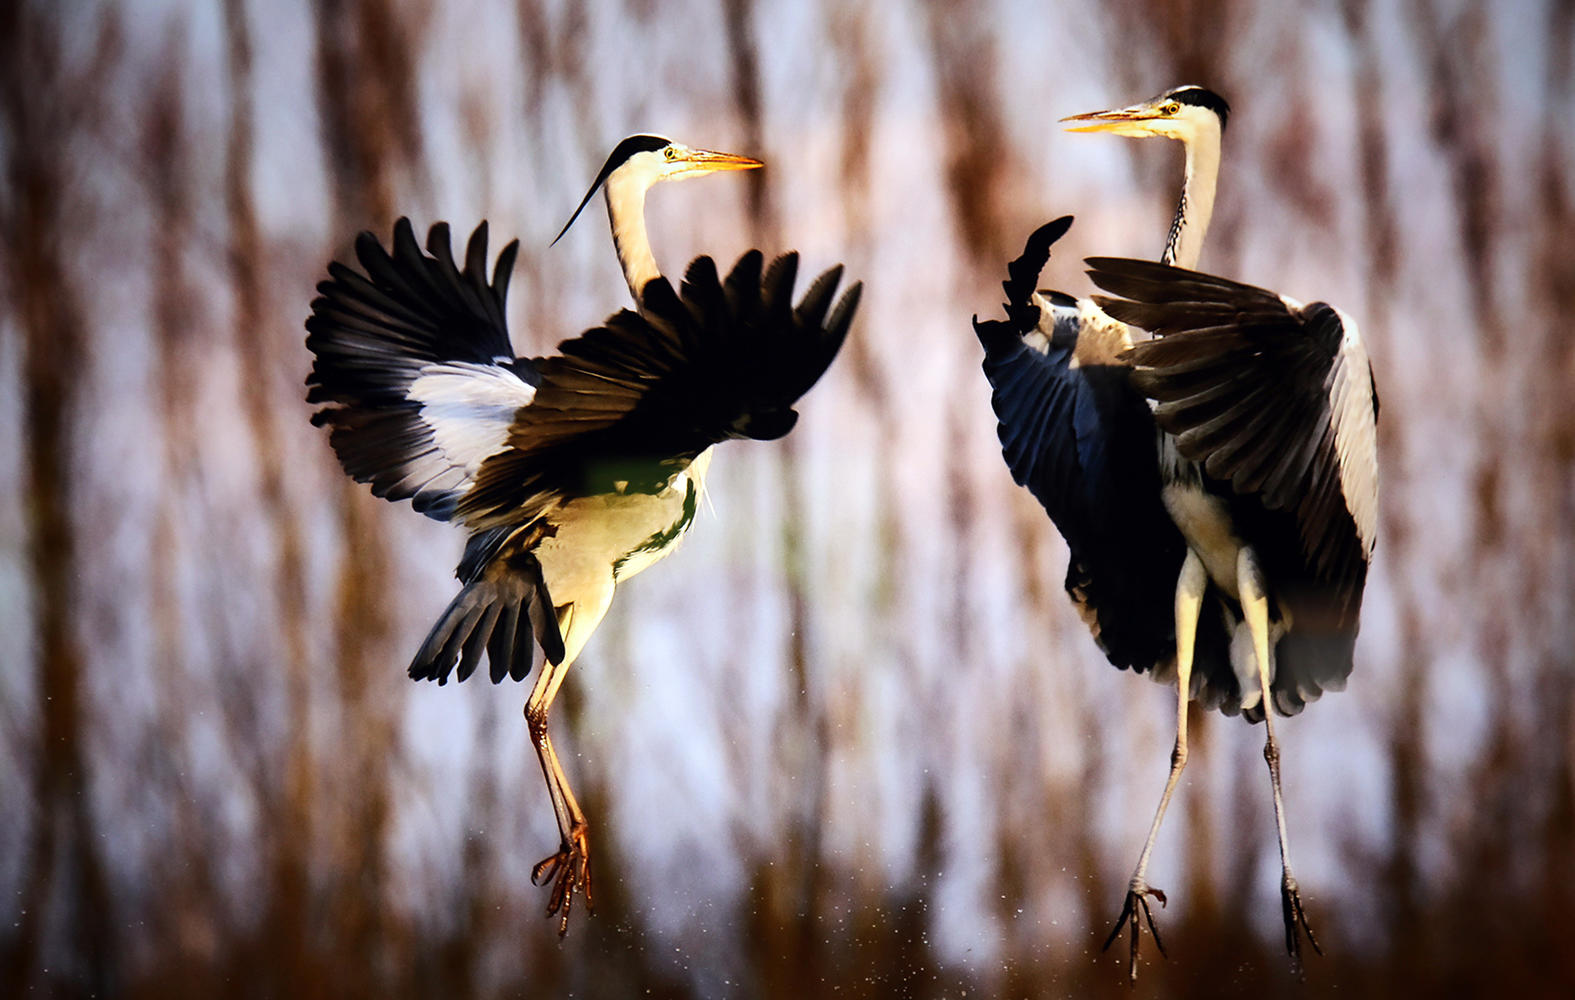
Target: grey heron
(571, 472)
(1216, 486)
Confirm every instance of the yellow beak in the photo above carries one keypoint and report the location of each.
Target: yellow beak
(1119, 120)
(708, 161)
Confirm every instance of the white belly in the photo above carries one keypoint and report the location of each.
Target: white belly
(1206, 525)
(599, 540)
(610, 537)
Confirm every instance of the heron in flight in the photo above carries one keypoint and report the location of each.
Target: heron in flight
(572, 472)
(1216, 486)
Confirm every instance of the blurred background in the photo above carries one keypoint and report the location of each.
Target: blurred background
(851, 739)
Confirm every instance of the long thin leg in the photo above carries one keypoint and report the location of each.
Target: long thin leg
(1190, 587)
(569, 869)
(1255, 608)
(536, 719)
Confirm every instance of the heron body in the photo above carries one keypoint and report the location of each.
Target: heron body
(1216, 484)
(571, 472)
(1268, 414)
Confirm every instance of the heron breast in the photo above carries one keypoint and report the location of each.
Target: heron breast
(612, 536)
(1206, 524)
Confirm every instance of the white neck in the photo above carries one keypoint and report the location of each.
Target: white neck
(626, 212)
(1185, 243)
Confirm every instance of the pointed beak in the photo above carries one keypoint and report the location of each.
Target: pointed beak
(1122, 121)
(709, 161)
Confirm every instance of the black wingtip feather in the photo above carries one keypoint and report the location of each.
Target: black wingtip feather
(439, 244)
(842, 316)
(476, 249)
(1023, 273)
(486, 615)
(1001, 336)
(371, 335)
(812, 307)
(743, 281)
(701, 272)
(502, 271)
(777, 286)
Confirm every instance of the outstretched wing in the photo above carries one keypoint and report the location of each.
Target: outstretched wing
(1081, 438)
(626, 405)
(414, 363)
(421, 384)
(1274, 397)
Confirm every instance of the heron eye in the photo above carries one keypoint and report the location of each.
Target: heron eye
(670, 153)
(1171, 108)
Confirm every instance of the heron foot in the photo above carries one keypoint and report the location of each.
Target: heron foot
(1135, 911)
(569, 871)
(1295, 917)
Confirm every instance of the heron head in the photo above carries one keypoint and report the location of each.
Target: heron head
(643, 160)
(1180, 113)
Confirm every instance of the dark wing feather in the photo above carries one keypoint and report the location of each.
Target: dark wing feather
(377, 339)
(627, 404)
(374, 335)
(1260, 394)
(1082, 440)
(504, 604)
(1276, 402)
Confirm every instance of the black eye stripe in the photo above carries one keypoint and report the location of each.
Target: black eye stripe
(1202, 98)
(635, 144)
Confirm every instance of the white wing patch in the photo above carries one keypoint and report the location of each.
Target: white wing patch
(1355, 432)
(469, 408)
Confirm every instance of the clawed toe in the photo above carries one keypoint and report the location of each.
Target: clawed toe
(1136, 912)
(1295, 919)
(568, 871)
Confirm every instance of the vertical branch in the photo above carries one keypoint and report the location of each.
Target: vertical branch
(1457, 60)
(976, 146)
(40, 107)
(1202, 846)
(1549, 361)
(745, 74)
(1554, 364)
(187, 877)
(366, 98)
(1372, 151)
(285, 797)
(853, 43)
(1182, 41)
(810, 757)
